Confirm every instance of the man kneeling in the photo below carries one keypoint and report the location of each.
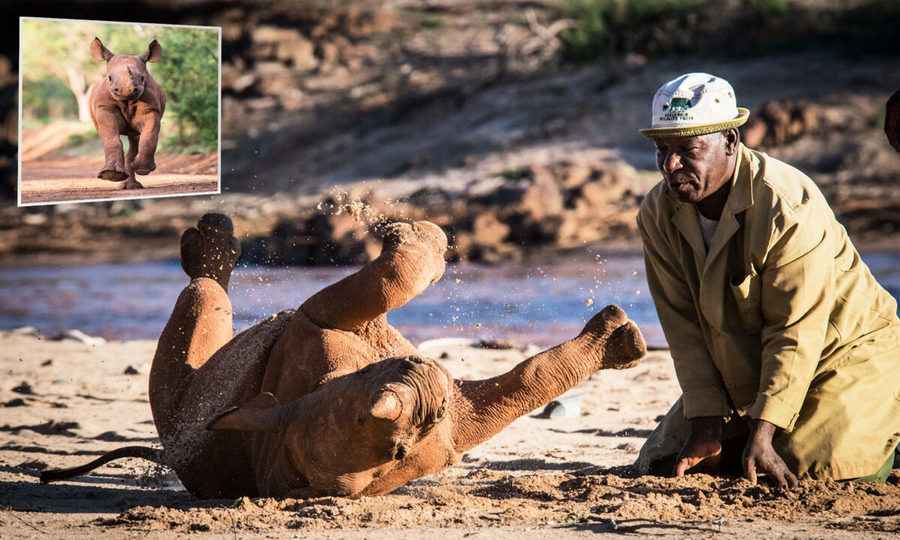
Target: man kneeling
(786, 348)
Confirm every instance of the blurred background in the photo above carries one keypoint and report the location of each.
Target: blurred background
(511, 123)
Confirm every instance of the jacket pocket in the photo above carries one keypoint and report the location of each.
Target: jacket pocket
(746, 293)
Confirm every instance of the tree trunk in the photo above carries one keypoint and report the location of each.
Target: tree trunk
(79, 87)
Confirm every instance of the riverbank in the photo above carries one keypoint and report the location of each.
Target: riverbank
(64, 402)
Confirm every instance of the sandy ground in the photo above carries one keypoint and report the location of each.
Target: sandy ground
(56, 179)
(62, 402)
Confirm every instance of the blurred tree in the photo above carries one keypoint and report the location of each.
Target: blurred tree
(53, 48)
(189, 74)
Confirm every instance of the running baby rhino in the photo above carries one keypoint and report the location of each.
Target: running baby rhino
(127, 101)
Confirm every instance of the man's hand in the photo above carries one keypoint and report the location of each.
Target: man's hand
(703, 446)
(760, 456)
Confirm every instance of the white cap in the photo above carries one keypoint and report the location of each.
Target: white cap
(694, 104)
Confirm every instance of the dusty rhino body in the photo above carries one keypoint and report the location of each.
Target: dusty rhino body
(330, 399)
(127, 101)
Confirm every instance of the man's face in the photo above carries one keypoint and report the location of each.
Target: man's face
(693, 167)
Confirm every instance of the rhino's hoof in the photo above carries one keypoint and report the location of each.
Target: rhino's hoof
(210, 249)
(112, 174)
(131, 183)
(144, 167)
(625, 347)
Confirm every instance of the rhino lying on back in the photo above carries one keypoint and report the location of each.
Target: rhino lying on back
(127, 101)
(330, 399)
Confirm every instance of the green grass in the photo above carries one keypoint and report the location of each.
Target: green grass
(432, 22)
(610, 28)
(598, 23)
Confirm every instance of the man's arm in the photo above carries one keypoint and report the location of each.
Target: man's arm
(703, 396)
(700, 381)
(797, 297)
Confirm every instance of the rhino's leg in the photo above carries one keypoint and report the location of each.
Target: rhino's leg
(108, 124)
(131, 182)
(146, 162)
(201, 320)
(412, 257)
(482, 408)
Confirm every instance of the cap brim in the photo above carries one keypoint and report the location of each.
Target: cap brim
(703, 129)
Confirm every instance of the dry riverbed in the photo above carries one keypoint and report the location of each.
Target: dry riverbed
(64, 402)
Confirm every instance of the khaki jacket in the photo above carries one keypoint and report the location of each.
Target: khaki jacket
(779, 317)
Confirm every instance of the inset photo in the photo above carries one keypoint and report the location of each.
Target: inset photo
(117, 110)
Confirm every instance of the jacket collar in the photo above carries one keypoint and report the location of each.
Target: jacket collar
(739, 199)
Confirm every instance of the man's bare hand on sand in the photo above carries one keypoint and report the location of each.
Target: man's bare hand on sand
(760, 457)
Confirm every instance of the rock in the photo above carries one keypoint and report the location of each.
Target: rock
(267, 70)
(576, 174)
(24, 388)
(496, 344)
(267, 41)
(487, 230)
(260, 103)
(575, 230)
(25, 331)
(430, 197)
(47, 362)
(34, 219)
(779, 122)
(330, 53)
(15, 402)
(753, 133)
(565, 406)
(131, 370)
(495, 254)
(79, 336)
(299, 52)
(543, 196)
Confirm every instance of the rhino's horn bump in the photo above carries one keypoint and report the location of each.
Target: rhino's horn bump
(388, 406)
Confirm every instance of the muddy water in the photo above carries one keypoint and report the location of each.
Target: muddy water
(530, 304)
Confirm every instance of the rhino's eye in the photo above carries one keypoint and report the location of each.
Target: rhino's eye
(109, 78)
(400, 452)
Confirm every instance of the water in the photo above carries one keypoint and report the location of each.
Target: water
(529, 304)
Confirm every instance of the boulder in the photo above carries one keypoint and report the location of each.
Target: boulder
(488, 230)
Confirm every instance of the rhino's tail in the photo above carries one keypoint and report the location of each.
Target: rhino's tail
(143, 452)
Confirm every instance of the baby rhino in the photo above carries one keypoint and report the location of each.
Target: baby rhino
(127, 101)
(330, 399)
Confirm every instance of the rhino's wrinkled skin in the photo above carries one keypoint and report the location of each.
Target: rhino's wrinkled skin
(330, 399)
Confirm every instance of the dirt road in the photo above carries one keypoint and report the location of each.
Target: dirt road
(55, 178)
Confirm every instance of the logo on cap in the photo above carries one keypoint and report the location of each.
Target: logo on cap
(678, 106)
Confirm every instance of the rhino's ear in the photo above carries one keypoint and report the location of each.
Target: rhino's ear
(99, 51)
(154, 51)
(258, 414)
